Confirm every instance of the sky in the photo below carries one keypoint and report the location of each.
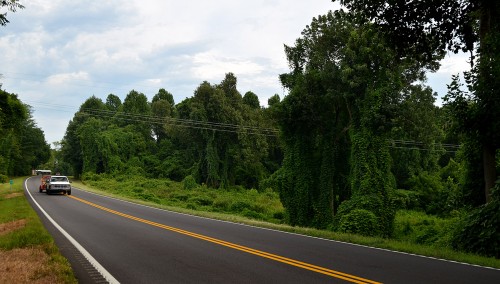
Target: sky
(55, 54)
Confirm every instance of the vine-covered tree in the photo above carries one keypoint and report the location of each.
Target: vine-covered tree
(344, 88)
(424, 30)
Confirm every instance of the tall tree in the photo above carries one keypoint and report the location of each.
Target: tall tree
(428, 28)
(22, 143)
(344, 90)
(136, 110)
(162, 107)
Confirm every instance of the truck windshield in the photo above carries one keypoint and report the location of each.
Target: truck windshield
(59, 179)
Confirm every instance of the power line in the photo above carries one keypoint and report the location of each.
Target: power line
(190, 123)
(421, 146)
(234, 128)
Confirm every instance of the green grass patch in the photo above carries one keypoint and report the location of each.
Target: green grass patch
(263, 206)
(415, 232)
(14, 208)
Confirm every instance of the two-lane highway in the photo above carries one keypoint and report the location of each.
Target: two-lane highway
(132, 243)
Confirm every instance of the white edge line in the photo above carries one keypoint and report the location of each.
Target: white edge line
(292, 233)
(79, 247)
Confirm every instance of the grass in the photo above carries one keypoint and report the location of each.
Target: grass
(263, 206)
(415, 232)
(27, 250)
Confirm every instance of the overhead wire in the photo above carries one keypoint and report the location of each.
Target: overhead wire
(235, 128)
(190, 123)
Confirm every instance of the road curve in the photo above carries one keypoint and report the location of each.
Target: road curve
(139, 244)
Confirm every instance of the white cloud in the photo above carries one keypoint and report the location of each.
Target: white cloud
(207, 66)
(455, 63)
(65, 78)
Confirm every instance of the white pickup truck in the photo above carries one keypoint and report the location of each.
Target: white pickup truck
(58, 184)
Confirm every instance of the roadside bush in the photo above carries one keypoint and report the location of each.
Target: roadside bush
(383, 212)
(222, 204)
(201, 200)
(252, 214)
(189, 182)
(418, 227)
(179, 196)
(406, 199)
(479, 232)
(359, 221)
(432, 194)
(239, 206)
(3, 178)
(90, 176)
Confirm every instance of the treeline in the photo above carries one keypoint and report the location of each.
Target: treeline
(218, 137)
(22, 142)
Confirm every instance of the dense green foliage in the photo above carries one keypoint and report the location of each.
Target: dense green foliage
(424, 30)
(479, 231)
(345, 91)
(217, 137)
(22, 143)
(264, 206)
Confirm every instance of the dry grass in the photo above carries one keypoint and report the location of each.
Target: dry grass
(6, 228)
(12, 195)
(26, 265)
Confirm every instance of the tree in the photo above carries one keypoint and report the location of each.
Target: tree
(22, 143)
(162, 107)
(164, 95)
(72, 149)
(415, 135)
(136, 110)
(429, 28)
(113, 102)
(12, 5)
(345, 86)
(251, 99)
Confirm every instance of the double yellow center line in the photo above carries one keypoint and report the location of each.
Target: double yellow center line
(293, 262)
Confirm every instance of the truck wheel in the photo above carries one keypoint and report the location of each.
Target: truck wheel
(40, 189)
(68, 192)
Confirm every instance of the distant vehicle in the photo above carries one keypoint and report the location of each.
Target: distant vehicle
(43, 183)
(57, 184)
(43, 172)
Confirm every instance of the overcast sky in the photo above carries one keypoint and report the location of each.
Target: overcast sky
(57, 53)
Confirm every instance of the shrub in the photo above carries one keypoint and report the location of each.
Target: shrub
(189, 182)
(221, 204)
(201, 200)
(239, 206)
(480, 231)
(432, 194)
(3, 178)
(383, 212)
(406, 199)
(252, 214)
(359, 221)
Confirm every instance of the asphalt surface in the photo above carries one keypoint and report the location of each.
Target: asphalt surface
(139, 244)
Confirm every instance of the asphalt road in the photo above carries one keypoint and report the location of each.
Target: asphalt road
(131, 243)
